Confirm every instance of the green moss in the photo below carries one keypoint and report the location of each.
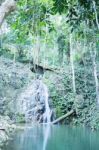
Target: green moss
(20, 118)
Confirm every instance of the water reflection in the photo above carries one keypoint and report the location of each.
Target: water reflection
(47, 129)
(43, 137)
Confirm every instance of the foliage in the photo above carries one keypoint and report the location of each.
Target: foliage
(84, 102)
(40, 30)
(77, 11)
(20, 118)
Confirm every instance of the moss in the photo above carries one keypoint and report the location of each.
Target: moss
(20, 118)
(63, 99)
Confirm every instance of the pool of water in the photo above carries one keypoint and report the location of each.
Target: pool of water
(44, 137)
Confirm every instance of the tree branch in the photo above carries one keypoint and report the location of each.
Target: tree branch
(63, 117)
(6, 8)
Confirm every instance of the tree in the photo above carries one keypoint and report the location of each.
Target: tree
(6, 8)
(61, 45)
(78, 11)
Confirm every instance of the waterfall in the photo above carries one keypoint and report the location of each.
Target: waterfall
(33, 102)
(47, 115)
(47, 130)
(47, 118)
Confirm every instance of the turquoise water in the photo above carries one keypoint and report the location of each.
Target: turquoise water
(42, 137)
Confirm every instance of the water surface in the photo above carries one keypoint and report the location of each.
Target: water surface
(43, 137)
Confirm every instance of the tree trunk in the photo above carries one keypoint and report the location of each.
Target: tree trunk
(63, 117)
(72, 65)
(96, 15)
(6, 8)
(93, 55)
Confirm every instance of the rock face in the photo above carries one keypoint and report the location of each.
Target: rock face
(20, 92)
(13, 78)
(6, 128)
(32, 101)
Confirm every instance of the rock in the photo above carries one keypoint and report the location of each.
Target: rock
(32, 100)
(6, 127)
(20, 93)
(3, 137)
(13, 78)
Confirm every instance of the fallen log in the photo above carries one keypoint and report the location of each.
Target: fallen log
(2, 129)
(63, 117)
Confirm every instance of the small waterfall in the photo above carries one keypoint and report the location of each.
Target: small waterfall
(47, 115)
(47, 118)
(33, 102)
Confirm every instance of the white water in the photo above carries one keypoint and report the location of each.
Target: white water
(47, 130)
(47, 118)
(47, 115)
(35, 94)
(38, 88)
(30, 94)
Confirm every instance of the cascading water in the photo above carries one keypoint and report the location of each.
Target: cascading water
(47, 129)
(47, 118)
(34, 102)
(47, 114)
